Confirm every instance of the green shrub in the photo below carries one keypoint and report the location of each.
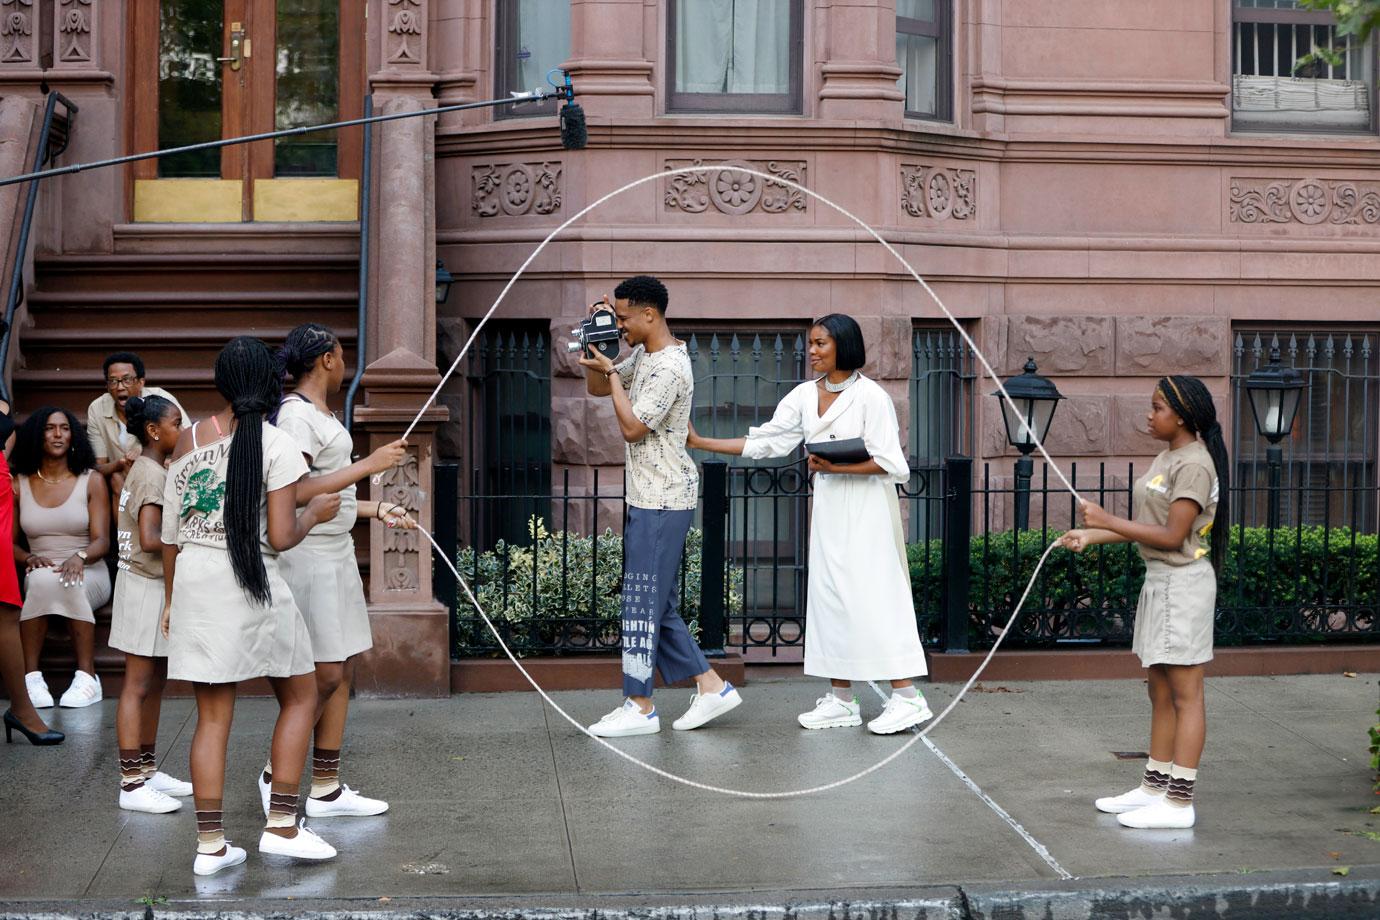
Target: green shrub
(540, 611)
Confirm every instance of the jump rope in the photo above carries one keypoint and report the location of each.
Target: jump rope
(1034, 436)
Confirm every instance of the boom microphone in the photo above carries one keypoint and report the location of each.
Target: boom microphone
(574, 133)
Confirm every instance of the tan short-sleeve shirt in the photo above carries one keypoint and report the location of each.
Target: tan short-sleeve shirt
(661, 386)
(1187, 472)
(143, 486)
(107, 433)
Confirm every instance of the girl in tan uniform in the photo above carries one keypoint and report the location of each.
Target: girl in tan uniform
(232, 508)
(137, 612)
(1175, 505)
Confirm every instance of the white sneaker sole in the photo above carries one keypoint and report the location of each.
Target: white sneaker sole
(77, 705)
(273, 845)
(649, 729)
(920, 718)
(319, 809)
(233, 857)
(831, 723)
(1169, 823)
(1109, 807)
(166, 808)
(729, 705)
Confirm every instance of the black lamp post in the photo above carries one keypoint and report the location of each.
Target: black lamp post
(1035, 398)
(443, 282)
(1274, 391)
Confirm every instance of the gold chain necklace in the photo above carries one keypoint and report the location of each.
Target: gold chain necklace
(53, 482)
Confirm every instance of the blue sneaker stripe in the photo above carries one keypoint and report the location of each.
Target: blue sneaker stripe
(728, 688)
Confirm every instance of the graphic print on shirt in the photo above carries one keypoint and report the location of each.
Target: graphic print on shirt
(639, 626)
(125, 537)
(203, 493)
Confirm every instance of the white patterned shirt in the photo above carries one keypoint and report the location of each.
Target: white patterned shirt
(661, 385)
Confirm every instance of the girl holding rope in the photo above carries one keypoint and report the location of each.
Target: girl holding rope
(1174, 506)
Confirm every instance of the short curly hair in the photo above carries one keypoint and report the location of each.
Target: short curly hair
(643, 291)
(27, 454)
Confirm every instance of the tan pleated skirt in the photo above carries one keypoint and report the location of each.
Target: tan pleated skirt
(1176, 614)
(324, 578)
(218, 635)
(136, 614)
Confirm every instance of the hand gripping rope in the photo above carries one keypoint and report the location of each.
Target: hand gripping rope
(450, 563)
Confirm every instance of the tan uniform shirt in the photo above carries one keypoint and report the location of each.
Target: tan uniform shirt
(1187, 472)
(107, 433)
(143, 486)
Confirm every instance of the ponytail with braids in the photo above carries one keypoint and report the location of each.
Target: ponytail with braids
(248, 379)
(143, 411)
(1190, 400)
(302, 347)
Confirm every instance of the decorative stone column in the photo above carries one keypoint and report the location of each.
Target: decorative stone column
(859, 72)
(608, 61)
(411, 653)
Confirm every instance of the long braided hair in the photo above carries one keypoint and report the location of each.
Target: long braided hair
(1191, 401)
(248, 379)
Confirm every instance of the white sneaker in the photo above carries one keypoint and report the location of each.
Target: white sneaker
(84, 691)
(306, 845)
(831, 712)
(39, 694)
(900, 714)
(265, 789)
(627, 720)
(708, 706)
(348, 802)
(207, 864)
(168, 785)
(1127, 801)
(1158, 815)
(148, 800)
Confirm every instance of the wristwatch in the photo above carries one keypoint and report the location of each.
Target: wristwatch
(81, 554)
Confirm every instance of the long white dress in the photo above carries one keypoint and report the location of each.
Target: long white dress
(860, 615)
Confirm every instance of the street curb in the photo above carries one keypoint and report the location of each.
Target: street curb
(1292, 895)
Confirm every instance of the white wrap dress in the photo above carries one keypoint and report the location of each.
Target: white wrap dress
(860, 615)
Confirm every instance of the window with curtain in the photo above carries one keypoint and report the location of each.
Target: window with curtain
(533, 37)
(1273, 91)
(923, 52)
(734, 55)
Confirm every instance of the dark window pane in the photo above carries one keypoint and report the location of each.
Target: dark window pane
(191, 36)
(308, 93)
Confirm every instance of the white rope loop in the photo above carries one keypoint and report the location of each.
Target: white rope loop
(977, 352)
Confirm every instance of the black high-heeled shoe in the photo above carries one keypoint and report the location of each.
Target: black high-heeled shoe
(39, 738)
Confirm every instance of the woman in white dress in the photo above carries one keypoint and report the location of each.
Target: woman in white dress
(231, 500)
(860, 616)
(321, 571)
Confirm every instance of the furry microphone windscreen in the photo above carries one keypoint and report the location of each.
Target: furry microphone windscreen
(574, 134)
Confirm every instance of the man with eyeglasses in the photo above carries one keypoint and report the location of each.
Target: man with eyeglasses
(115, 447)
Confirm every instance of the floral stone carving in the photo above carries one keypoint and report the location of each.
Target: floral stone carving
(735, 191)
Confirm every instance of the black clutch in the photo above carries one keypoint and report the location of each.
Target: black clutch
(851, 450)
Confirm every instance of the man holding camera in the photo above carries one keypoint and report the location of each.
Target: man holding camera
(652, 392)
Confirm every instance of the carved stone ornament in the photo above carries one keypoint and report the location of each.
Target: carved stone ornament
(1304, 201)
(74, 28)
(733, 191)
(939, 192)
(400, 486)
(515, 189)
(16, 32)
(405, 27)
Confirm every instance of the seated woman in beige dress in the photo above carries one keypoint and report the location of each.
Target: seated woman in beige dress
(61, 534)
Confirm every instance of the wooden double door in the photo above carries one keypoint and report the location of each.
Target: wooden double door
(204, 70)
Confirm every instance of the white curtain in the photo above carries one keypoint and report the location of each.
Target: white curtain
(733, 46)
(543, 40)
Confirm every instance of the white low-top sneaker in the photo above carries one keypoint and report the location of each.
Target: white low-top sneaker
(627, 720)
(901, 713)
(831, 712)
(169, 785)
(84, 691)
(265, 789)
(206, 864)
(705, 707)
(348, 802)
(148, 800)
(1158, 815)
(306, 845)
(39, 694)
(1127, 801)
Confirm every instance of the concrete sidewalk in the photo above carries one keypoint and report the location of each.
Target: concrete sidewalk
(496, 798)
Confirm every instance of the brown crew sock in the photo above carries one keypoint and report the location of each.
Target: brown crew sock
(325, 774)
(131, 770)
(282, 810)
(1181, 780)
(210, 827)
(148, 760)
(268, 771)
(1156, 778)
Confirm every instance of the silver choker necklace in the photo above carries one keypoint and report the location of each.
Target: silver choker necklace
(840, 387)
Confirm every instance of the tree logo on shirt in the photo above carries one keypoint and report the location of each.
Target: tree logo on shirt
(203, 493)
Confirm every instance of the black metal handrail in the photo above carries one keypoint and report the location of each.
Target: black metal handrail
(366, 184)
(54, 128)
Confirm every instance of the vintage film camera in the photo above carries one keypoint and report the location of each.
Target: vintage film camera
(599, 331)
